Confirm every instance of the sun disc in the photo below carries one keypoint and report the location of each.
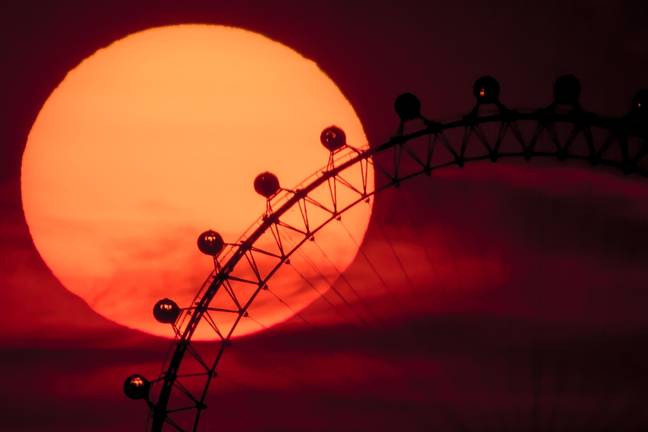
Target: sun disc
(159, 137)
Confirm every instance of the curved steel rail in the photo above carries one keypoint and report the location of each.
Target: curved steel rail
(615, 142)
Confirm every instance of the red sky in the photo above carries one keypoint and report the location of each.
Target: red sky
(529, 307)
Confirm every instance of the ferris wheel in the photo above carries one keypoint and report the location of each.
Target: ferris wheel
(293, 218)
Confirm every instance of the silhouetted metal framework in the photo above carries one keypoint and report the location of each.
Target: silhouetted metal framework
(560, 131)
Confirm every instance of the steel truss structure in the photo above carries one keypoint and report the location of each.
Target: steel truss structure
(561, 132)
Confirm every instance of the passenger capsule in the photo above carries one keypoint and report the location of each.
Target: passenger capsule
(137, 387)
(210, 243)
(166, 311)
(567, 90)
(407, 106)
(486, 90)
(333, 138)
(266, 184)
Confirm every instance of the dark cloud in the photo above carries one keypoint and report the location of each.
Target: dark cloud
(446, 371)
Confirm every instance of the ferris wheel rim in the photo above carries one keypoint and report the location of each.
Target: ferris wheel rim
(609, 124)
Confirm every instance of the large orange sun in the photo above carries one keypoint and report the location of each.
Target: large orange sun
(158, 137)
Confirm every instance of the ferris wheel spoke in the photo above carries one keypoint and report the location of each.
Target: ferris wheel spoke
(197, 403)
(341, 276)
(260, 324)
(197, 357)
(371, 265)
(290, 308)
(173, 424)
(213, 325)
(330, 283)
(181, 409)
(321, 294)
(417, 234)
(397, 257)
